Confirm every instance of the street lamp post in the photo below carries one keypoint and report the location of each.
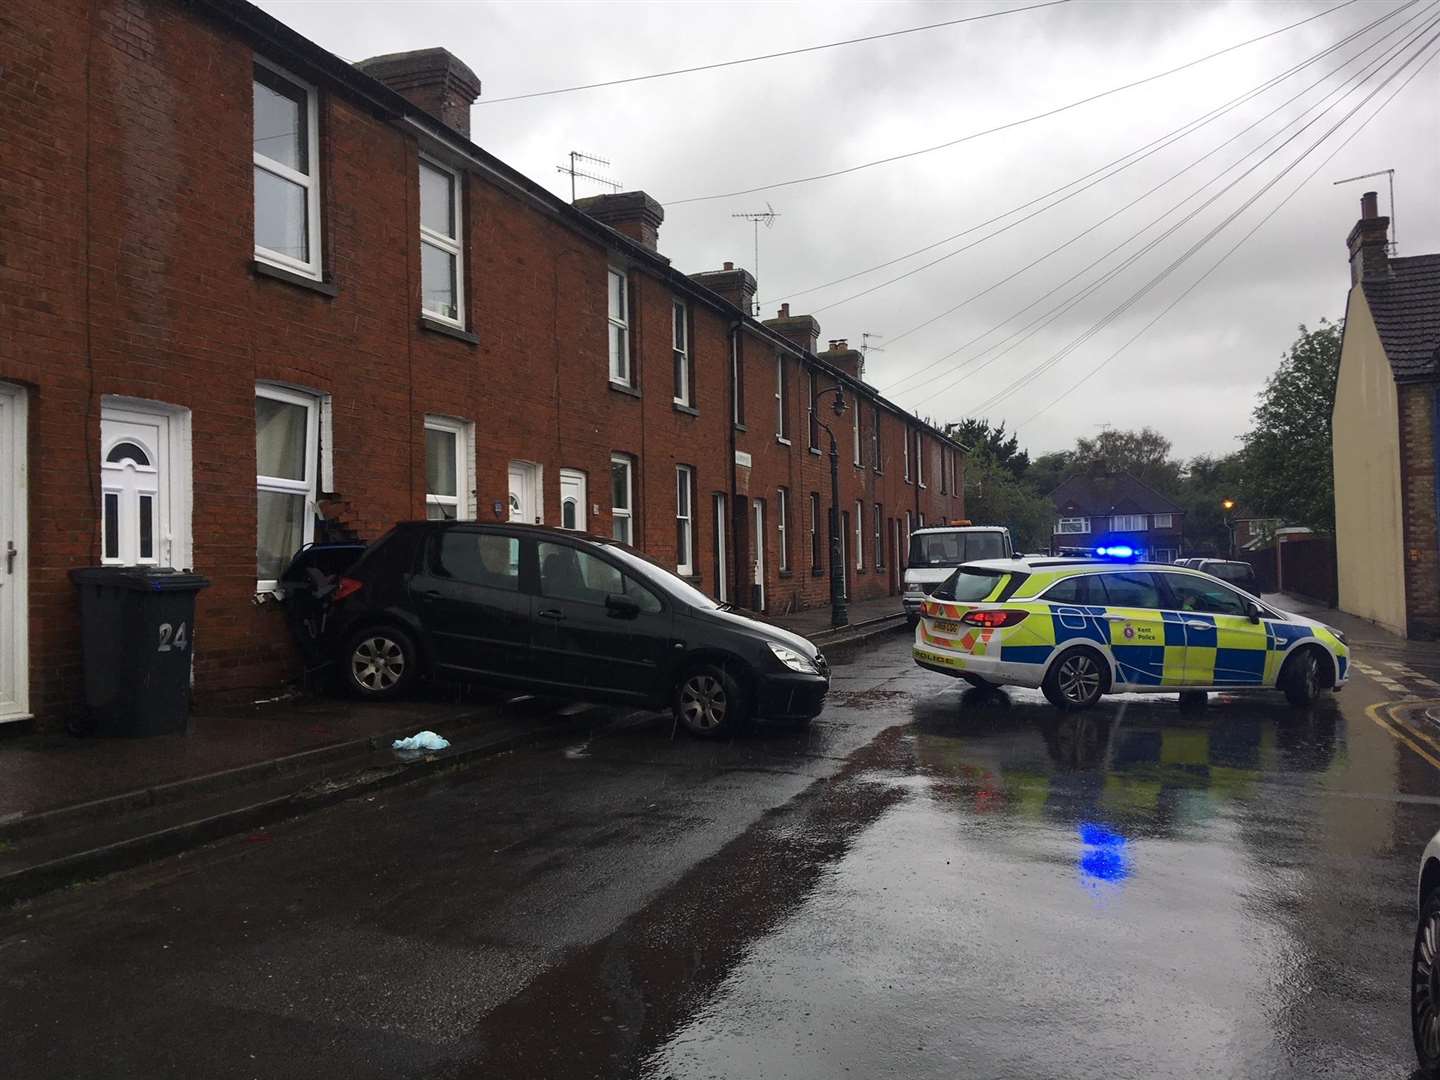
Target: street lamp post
(839, 614)
(1229, 505)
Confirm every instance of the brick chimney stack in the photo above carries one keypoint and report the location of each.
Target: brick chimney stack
(434, 79)
(1369, 242)
(840, 355)
(801, 330)
(735, 285)
(633, 213)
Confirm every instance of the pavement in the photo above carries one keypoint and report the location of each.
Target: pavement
(925, 882)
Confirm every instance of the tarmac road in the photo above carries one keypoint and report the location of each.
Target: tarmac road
(926, 882)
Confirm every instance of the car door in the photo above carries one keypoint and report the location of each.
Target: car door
(1137, 630)
(1223, 647)
(599, 632)
(471, 602)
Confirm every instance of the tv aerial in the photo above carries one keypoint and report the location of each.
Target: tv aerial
(576, 173)
(757, 218)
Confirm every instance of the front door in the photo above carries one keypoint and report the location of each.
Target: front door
(14, 606)
(471, 604)
(144, 484)
(572, 499)
(588, 646)
(525, 493)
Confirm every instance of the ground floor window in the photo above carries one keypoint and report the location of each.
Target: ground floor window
(684, 520)
(622, 512)
(447, 469)
(287, 433)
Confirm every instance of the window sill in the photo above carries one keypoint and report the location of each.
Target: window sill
(740, 427)
(693, 579)
(815, 450)
(264, 269)
(435, 326)
(688, 410)
(782, 440)
(622, 388)
(785, 574)
(817, 571)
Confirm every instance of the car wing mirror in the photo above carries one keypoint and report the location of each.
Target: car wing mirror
(621, 606)
(1254, 611)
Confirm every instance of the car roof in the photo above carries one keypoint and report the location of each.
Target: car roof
(548, 531)
(956, 528)
(1030, 564)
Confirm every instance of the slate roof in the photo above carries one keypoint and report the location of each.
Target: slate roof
(1097, 495)
(1406, 307)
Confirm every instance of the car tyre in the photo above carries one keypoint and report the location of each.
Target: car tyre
(710, 703)
(379, 663)
(1076, 679)
(1193, 700)
(912, 621)
(1300, 678)
(1425, 987)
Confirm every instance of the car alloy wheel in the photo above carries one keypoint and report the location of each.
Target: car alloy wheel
(377, 663)
(1079, 679)
(1425, 989)
(703, 702)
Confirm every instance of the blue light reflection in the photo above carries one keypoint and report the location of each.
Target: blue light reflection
(1103, 855)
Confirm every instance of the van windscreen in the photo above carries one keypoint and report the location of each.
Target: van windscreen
(954, 548)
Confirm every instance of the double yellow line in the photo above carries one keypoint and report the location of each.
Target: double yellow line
(1405, 735)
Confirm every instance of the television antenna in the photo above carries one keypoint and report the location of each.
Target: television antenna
(1394, 245)
(865, 346)
(757, 218)
(576, 173)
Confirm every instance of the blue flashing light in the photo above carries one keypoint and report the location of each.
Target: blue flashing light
(1116, 551)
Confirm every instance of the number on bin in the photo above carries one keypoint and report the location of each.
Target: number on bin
(172, 637)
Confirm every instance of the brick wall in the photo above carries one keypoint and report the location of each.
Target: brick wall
(1416, 405)
(126, 268)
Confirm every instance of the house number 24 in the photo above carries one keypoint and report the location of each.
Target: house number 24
(173, 637)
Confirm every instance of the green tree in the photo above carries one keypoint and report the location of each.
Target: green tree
(1206, 483)
(1144, 454)
(1287, 470)
(993, 496)
(992, 443)
(1048, 470)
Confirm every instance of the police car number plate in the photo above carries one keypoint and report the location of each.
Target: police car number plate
(943, 626)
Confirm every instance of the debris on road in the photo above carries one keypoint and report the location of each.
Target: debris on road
(424, 740)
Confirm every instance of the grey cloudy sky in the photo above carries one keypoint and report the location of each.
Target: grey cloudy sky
(1193, 375)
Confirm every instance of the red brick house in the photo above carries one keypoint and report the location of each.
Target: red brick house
(252, 295)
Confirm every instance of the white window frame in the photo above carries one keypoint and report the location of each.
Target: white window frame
(859, 535)
(905, 547)
(1072, 526)
(1127, 522)
(812, 420)
(282, 486)
(816, 551)
(782, 432)
(685, 518)
(855, 428)
(875, 437)
(1162, 521)
(627, 512)
(622, 371)
(879, 537)
(920, 459)
(462, 503)
(680, 344)
(314, 268)
(454, 247)
(782, 516)
(906, 443)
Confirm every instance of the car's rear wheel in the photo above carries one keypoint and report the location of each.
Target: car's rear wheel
(1300, 678)
(1425, 987)
(1076, 679)
(379, 663)
(710, 703)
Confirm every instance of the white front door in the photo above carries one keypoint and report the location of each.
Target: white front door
(759, 549)
(144, 484)
(722, 565)
(14, 604)
(572, 499)
(525, 493)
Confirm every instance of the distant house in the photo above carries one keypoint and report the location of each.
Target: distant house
(1095, 510)
(1386, 420)
(1252, 531)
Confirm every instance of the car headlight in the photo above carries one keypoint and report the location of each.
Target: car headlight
(1339, 635)
(792, 659)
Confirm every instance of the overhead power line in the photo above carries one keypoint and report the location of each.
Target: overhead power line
(1034, 373)
(1236, 247)
(770, 56)
(1013, 123)
(892, 387)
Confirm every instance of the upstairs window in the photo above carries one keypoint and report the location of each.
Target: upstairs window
(680, 333)
(875, 438)
(920, 460)
(286, 155)
(441, 272)
(905, 442)
(620, 328)
(737, 381)
(1162, 521)
(855, 428)
(1072, 525)
(782, 400)
(814, 417)
(1128, 522)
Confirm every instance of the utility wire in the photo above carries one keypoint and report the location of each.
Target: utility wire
(1216, 265)
(1010, 124)
(771, 56)
(1155, 145)
(1034, 373)
(892, 387)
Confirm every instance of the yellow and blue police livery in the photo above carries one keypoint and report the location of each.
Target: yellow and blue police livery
(1078, 628)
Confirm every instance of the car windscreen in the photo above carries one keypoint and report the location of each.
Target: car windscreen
(660, 578)
(969, 585)
(954, 548)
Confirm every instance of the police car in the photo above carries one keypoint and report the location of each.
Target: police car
(1078, 628)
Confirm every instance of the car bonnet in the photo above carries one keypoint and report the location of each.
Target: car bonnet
(759, 628)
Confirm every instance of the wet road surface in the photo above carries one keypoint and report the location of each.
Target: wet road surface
(926, 882)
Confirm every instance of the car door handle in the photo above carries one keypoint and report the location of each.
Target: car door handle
(551, 613)
(1117, 618)
(1196, 624)
(428, 594)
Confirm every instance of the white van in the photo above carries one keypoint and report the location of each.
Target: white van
(936, 551)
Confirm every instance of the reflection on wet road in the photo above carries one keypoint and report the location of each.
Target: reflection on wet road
(927, 883)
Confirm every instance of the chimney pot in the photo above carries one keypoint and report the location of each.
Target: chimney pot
(633, 213)
(1370, 205)
(1369, 242)
(729, 266)
(784, 311)
(435, 80)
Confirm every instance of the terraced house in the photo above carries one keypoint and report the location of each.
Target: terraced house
(254, 296)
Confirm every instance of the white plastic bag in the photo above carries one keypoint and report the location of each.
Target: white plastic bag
(424, 740)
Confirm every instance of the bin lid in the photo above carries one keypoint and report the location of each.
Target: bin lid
(140, 578)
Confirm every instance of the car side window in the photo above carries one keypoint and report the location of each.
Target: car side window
(566, 573)
(1136, 589)
(1075, 590)
(1207, 597)
(476, 558)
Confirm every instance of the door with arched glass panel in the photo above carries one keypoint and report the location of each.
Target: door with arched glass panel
(135, 520)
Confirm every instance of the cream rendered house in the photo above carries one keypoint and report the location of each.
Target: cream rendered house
(1386, 419)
